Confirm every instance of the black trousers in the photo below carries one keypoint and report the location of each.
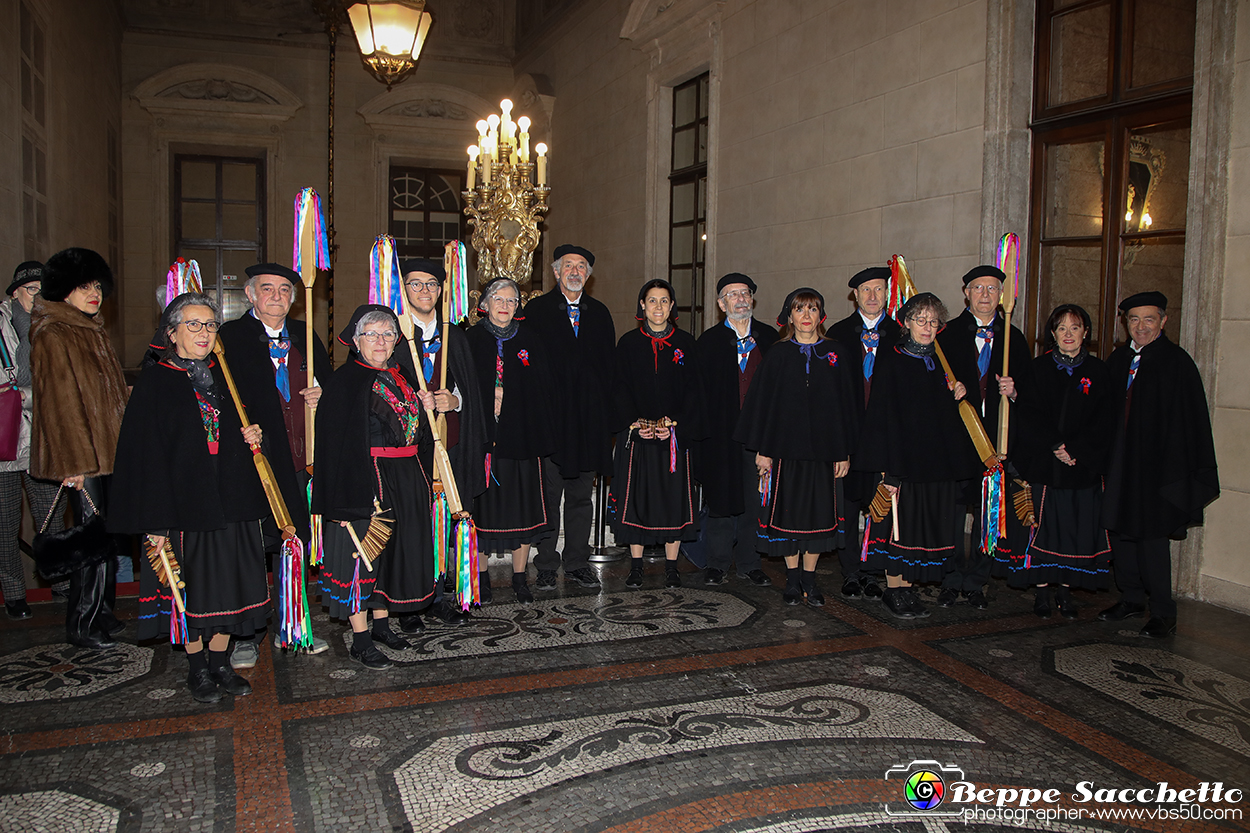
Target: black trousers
(732, 539)
(577, 516)
(968, 568)
(1143, 567)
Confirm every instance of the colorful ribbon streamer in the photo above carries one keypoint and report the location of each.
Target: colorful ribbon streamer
(386, 285)
(183, 276)
(468, 591)
(294, 620)
(457, 284)
(993, 509)
(308, 206)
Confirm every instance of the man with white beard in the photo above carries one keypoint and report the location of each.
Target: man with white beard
(726, 358)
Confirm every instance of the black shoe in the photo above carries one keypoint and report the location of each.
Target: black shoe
(1160, 626)
(450, 614)
(793, 592)
(672, 578)
(977, 599)
(583, 576)
(1122, 610)
(1063, 601)
(109, 623)
(1041, 603)
(714, 576)
(521, 587)
(897, 603)
(226, 678)
(813, 595)
(484, 594)
(946, 598)
(546, 580)
(18, 609)
(96, 640)
(203, 687)
(634, 579)
(411, 623)
(851, 589)
(390, 639)
(869, 585)
(917, 607)
(758, 577)
(370, 657)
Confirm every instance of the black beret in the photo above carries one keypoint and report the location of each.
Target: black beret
(274, 269)
(69, 269)
(984, 272)
(872, 273)
(28, 272)
(784, 317)
(568, 249)
(1145, 299)
(423, 264)
(735, 277)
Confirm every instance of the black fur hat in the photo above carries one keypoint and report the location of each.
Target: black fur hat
(69, 269)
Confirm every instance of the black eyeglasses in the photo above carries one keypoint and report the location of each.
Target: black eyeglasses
(196, 326)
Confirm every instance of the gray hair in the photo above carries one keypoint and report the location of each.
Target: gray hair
(497, 284)
(374, 317)
(174, 312)
(555, 264)
(926, 302)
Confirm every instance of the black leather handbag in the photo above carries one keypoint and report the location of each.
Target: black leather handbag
(57, 554)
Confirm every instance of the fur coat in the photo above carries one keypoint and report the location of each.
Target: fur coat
(79, 391)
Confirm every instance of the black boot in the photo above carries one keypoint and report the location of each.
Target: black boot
(634, 579)
(807, 580)
(86, 595)
(521, 587)
(1063, 601)
(105, 620)
(225, 676)
(1041, 602)
(485, 596)
(794, 590)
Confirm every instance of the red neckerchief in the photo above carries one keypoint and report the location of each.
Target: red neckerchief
(656, 343)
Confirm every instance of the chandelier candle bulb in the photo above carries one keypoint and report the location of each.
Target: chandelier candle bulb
(506, 107)
(542, 163)
(473, 151)
(524, 124)
(493, 121)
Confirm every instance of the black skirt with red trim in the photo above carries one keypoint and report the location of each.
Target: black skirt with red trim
(927, 526)
(512, 511)
(652, 500)
(1070, 545)
(801, 510)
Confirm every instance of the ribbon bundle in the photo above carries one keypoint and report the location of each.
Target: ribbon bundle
(993, 509)
(183, 276)
(468, 591)
(307, 202)
(294, 621)
(441, 516)
(456, 261)
(386, 285)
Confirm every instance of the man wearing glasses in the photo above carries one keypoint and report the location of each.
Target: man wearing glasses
(581, 340)
(268, 356)
(726, 357)
(460, 401)
(15, 371)
(973, 344)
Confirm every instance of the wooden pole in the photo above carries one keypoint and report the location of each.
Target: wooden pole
(308, 274)
(442, 462)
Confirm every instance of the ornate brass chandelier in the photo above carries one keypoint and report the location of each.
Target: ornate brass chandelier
(506, 197)
(390, 34)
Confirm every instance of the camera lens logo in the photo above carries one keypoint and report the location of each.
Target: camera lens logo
(924, 789)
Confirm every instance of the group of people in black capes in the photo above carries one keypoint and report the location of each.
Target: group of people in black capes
(844, 439)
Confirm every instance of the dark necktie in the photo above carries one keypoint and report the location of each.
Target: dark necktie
(1132, 369)
(745, 346)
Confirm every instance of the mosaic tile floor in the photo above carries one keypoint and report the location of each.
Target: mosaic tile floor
(695, 709)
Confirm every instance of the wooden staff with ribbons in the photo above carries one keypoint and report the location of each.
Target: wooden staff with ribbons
(1009, 263)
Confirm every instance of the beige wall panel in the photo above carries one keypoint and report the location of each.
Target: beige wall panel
(1232, 438)
(921, 110)
(1224, 553)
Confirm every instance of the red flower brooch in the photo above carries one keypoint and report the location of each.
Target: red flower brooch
(524, 356)
(678, 356)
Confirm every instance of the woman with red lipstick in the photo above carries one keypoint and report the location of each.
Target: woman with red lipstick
(798, 417)
(79, 395)
(1063, 454)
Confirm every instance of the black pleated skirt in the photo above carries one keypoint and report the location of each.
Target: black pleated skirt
(402, 579)
(649, 504)
(227, 586)
(513, 509)
(800, 513)
(927, 526)
(1070, 545)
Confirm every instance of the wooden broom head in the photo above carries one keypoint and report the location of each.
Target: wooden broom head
(882, 500)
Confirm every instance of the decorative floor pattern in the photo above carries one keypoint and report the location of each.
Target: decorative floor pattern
(694, 709)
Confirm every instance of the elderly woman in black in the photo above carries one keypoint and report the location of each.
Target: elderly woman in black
(514, 374)
(373, 447)
(913, 435)
(185, 475)
(798, 417)
(657, 402)
(1062, 452)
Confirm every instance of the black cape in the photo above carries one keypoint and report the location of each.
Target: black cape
(583, 371)
(792, 414)
(718, 459)
(650, 385)
(846, 333)
(959, 342)
(469, 453)
(343, 487)
(912, 430)
(247, 352)
(164, 478)
(526, 427)
(1162, 472)
(1075, 411)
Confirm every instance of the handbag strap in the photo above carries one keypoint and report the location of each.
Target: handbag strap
(57, 502)
(6, 357)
